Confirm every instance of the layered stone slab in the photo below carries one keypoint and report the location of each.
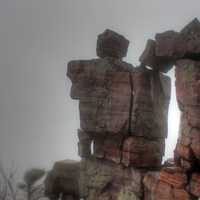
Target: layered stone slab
(123, 122)
(187, 152)
(151, 98)
(115, 98)
(141, 152)
(117, 101)
(105, 180)
(194, 186)
(103, 88)
(160, 54)
(169, 184)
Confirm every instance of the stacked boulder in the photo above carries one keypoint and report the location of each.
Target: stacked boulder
(187, 153)
(181, 179)
(123, 122)
(123, 116)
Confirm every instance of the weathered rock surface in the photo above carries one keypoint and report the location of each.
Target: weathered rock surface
(141, 152)
(103, 88)
(187, 152)
(174, 176)
(195, 184)
(123, 122)
(170, 46)
(112, 44)
(187, 84)
(168, 184)
(116, 101)
(121, 101)
(191, 40)
(110, 181)
(151, 98)
(109, 96)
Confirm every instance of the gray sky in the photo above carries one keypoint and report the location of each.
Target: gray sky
(38, 119)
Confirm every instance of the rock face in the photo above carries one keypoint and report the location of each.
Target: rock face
(142, 152)
(151, 59)
(117, 101)
(98, 84)
(169, 185)
(106, 180)
(187, 151)
(123, 122)
(112, 93)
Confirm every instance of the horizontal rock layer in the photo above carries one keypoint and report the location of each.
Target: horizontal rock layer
(105, 180)
(123, 122)
(115, 98)
(169, 184)
(187, 152)
(119, 103)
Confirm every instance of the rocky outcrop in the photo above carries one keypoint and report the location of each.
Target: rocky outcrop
(168, 47)
(123, 122)
(169, 184)
(181, 180)
(187, 151)
(103, 179)
(120, 106)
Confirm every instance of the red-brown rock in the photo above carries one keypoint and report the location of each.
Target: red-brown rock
(166, 44)
(173, 176)
(163, 191)
(150, 59)
(194, 116)
(114, 99)
(140, 152)
(195, 185)
(150, 104)
(187, 82)
(111, 44)
(170, 46)
(112, 149)
(150, 180)
(191, 38)
(103, 88)
(159, 187)
(98, 149)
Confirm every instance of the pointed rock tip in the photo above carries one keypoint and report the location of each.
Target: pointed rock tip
(194, 25)
(195, 20)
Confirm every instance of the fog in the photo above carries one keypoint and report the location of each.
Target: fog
(38, 120)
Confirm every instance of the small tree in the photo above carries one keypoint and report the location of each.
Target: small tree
(7, 184)
(3, 189)
(31, 177)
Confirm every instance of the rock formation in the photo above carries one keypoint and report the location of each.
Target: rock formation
(123, 122)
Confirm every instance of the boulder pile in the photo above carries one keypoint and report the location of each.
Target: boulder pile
(123, 121)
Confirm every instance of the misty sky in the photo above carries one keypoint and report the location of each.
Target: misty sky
(38, 120)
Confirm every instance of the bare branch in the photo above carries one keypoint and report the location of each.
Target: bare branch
(7, 180)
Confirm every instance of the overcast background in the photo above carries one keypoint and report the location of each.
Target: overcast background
(38, 120)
